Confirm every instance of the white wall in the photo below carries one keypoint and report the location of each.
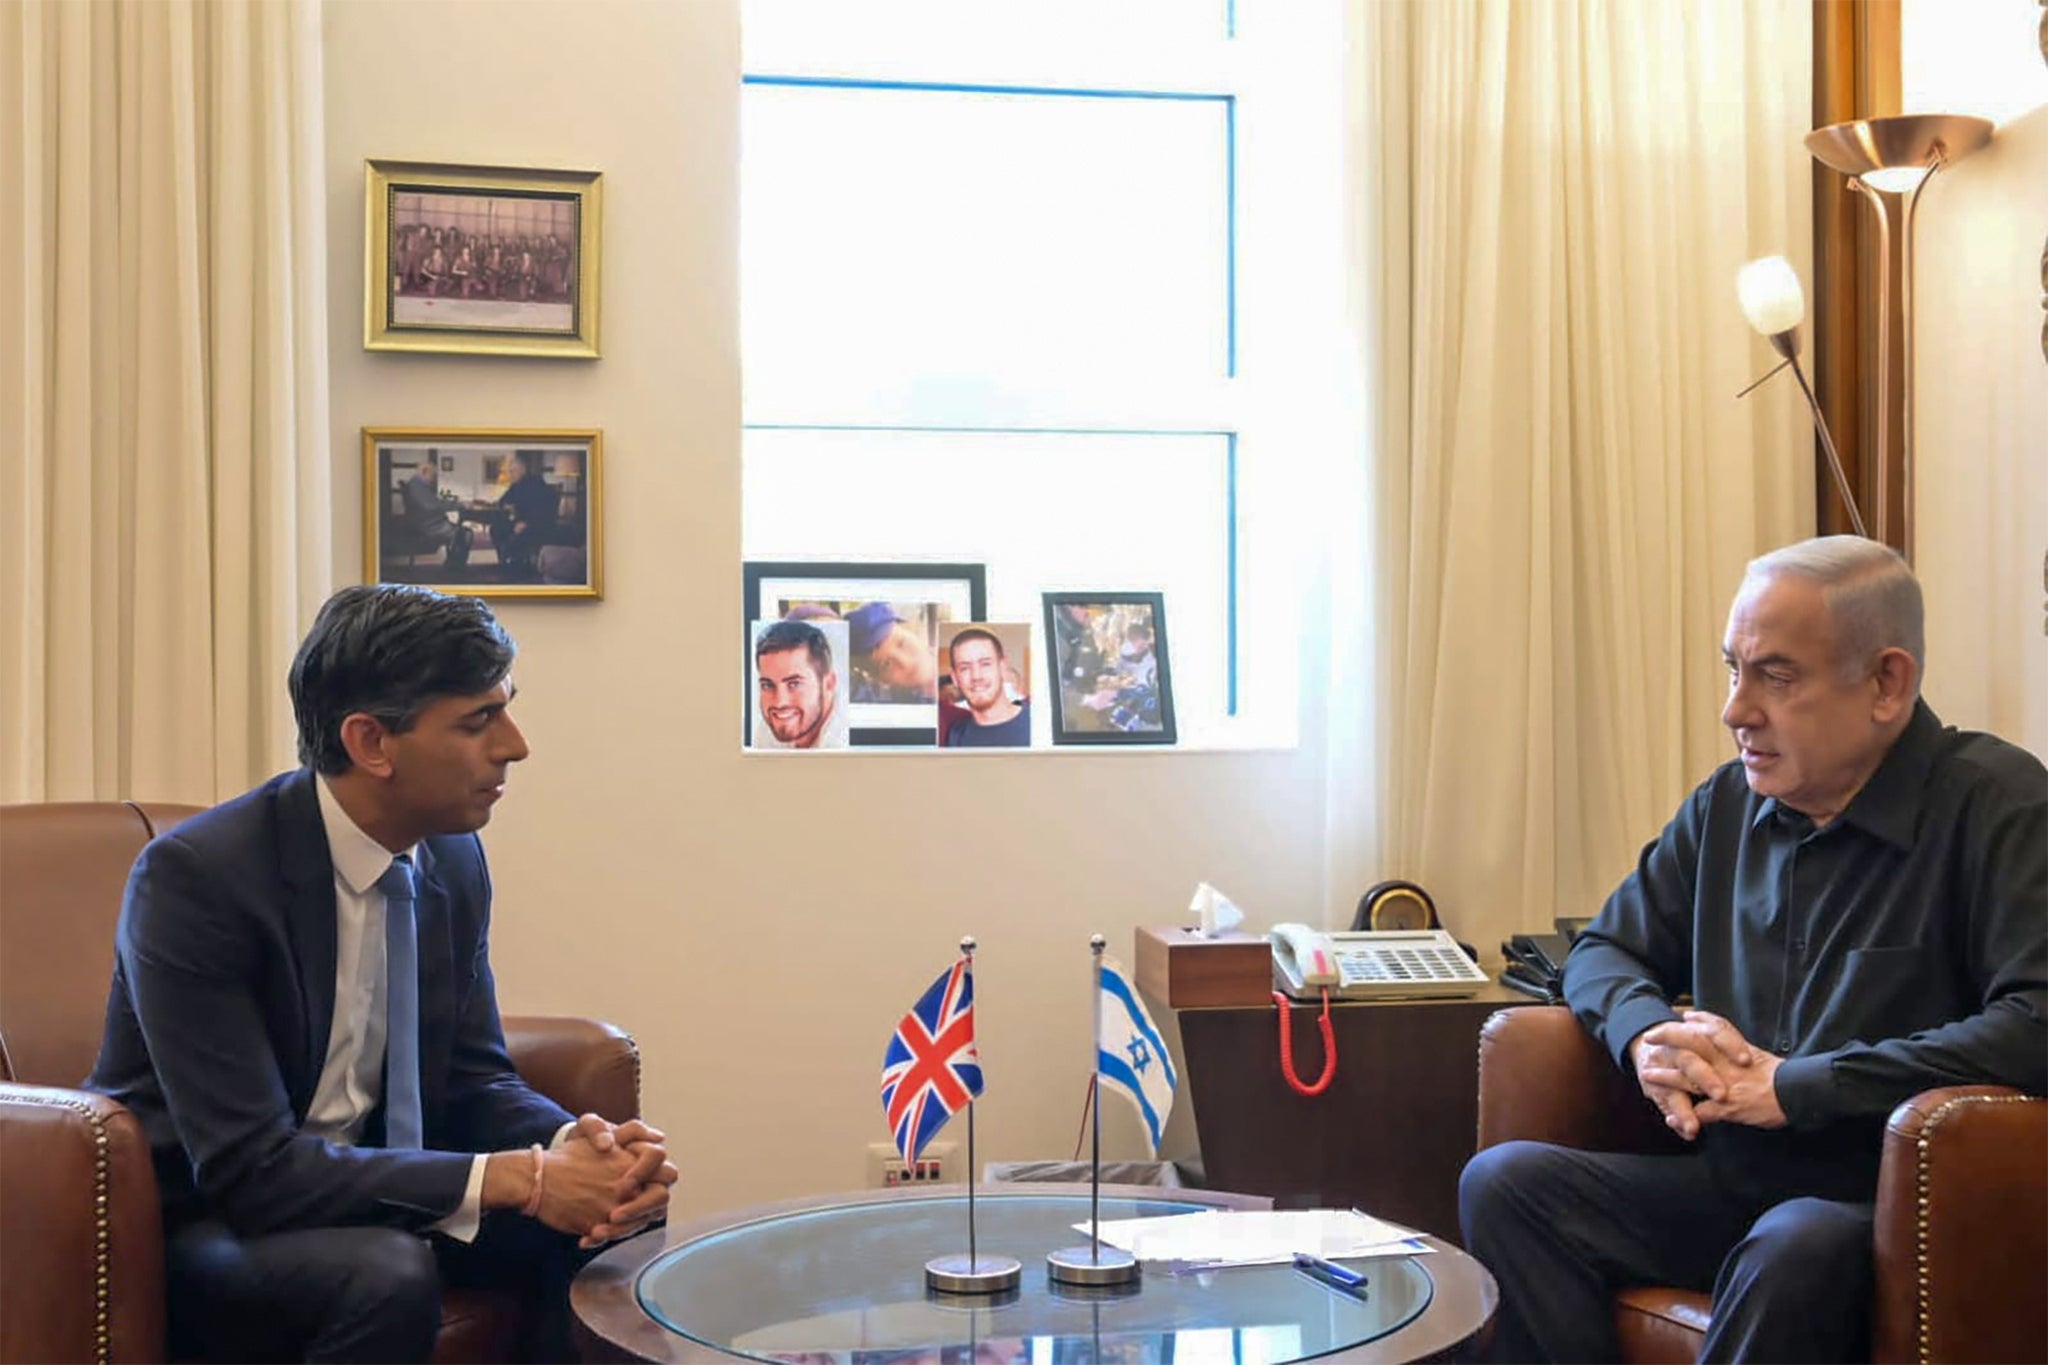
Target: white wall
(1979, 57)
(1981, 381)
(758, 923)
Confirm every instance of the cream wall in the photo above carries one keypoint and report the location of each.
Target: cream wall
(757, 922)
(1981, 382)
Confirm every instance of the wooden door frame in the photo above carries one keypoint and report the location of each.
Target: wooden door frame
(1855, 75)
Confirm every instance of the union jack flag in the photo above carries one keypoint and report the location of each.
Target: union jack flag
(931, 1069)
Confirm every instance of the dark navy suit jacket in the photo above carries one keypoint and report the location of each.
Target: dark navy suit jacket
(218, 1020)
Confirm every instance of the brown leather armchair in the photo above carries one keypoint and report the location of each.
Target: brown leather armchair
(81, 1238)
(1962, 1199)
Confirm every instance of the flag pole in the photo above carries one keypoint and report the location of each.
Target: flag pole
(1091, 1265)
(967, 946)
(974, 1273)
(1095, 946)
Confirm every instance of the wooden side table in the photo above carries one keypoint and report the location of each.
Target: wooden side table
(1391, 1134)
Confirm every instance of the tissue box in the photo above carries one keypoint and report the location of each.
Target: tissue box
(1182, 969)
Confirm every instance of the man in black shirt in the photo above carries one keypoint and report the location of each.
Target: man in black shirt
(1858, 903)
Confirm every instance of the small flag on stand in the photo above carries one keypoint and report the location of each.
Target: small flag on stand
(931, 1070)
(1131, 1057)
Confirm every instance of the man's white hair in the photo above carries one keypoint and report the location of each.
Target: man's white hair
(1870, 593)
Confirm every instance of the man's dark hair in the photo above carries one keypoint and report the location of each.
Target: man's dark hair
(784, 635)
(389, 650)
(973, 633)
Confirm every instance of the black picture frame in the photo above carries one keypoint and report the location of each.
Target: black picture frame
(1087, 707)
(766, 585)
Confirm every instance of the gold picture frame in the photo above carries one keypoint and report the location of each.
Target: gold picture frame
(485, 511)
(481, 260)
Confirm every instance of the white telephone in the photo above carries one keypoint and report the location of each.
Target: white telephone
(1387, 965)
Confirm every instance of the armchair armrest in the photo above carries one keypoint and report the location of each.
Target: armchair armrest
(1962, 1228)
(81, 1233)
(585, 1065)
(1545, 1079)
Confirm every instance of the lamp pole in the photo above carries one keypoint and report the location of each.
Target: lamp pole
(1897, 155)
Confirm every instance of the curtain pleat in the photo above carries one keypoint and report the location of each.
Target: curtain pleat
(169, 367)
(1552, 200)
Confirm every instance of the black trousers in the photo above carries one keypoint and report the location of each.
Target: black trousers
(1563, 1229)
(355, 1294)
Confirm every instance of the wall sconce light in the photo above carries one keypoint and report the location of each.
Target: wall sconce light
(1897, 155)
(1775, 305)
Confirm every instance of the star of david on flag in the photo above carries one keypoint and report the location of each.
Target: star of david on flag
(1131, 1056)
(931, 1070)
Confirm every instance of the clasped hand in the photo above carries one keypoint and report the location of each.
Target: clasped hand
(1699, 1069)
(607, 1181)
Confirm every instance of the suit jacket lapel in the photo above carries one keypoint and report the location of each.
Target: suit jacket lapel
(308, 869)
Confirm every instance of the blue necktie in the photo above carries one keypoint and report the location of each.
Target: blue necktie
(403, 1126)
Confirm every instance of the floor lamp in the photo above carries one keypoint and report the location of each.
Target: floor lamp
(1881, 157)
(1775, 305)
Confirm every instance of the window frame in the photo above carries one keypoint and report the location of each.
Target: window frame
(1286, 400)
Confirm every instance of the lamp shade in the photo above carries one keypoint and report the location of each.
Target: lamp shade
(1771, 297)
(1904, 143)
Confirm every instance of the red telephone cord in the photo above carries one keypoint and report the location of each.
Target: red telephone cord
(1287, 1047)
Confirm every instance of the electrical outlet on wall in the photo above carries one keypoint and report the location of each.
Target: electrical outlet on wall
(936, 1165)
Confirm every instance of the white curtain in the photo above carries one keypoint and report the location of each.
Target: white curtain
(163, 413)
(1560, 488)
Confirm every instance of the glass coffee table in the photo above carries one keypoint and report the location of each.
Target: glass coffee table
(840, 1281)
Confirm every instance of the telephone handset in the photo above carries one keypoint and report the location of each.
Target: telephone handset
(1302, 960)
(1304, 965)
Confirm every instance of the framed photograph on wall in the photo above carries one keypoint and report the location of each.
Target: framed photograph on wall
(1110, 683)
(486, 512)
(893, 615)
(481, 259)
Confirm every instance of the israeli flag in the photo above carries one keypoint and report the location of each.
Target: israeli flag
(1130, 1055)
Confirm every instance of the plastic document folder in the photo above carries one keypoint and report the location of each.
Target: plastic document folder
(1224, 1237)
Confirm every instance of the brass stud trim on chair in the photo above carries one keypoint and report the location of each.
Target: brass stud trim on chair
(1923, 1176)
(102, 1225)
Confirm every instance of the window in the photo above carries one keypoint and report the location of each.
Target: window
(1057, 292)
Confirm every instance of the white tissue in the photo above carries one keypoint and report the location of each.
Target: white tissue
(1214, 911)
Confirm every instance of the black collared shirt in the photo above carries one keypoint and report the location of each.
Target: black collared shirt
(1904, 946)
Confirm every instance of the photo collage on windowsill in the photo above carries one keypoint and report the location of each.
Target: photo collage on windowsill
(855, 655)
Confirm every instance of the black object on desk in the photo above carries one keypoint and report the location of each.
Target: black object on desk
(1535, 965)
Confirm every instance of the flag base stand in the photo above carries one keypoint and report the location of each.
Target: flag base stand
(1092, 1266)
(970, 1304)
(1094, 1293)
(973, 1275)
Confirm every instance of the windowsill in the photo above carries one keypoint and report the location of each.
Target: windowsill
(1248, 746)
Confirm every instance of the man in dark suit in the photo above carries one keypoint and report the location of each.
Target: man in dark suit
(527, 511)
(304, 1022)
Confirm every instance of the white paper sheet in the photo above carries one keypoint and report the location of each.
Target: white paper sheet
(1220, 1237)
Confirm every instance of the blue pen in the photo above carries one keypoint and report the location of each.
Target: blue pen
(1329, 1272)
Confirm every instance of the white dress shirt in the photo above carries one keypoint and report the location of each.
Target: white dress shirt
(352, 1078)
